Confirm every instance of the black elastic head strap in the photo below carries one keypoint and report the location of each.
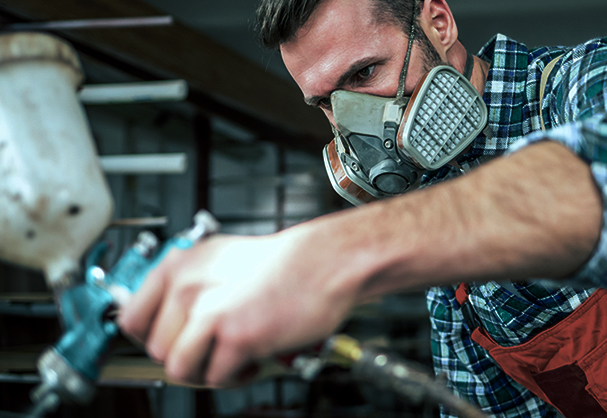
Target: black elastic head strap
(469, 66)
(403, 73)
(400, 93)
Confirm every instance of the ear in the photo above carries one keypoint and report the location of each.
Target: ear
(439, 25)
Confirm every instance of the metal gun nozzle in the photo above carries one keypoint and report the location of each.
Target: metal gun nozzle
(346, 348)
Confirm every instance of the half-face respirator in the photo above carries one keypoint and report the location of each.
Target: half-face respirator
(383, 146)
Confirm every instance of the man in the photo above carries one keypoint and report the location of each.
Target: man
(208, 312)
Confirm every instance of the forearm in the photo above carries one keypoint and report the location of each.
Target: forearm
(536, 213)
(229, 299)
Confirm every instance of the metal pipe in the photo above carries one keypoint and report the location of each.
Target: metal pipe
(120, 22)
(143, 92)
(144, 163)
(140, 222)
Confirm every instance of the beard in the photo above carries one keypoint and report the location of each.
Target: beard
(431, 57)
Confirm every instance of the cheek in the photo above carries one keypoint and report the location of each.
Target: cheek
(416, 71)
(385, 83)
(329, 115)
(384, 86)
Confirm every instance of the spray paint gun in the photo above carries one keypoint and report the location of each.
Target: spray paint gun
(69, 369)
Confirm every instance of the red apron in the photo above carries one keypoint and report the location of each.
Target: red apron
(565, 365)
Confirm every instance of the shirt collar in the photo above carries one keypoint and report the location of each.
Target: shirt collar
(504, 94)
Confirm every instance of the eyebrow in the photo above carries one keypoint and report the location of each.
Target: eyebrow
(355, 67)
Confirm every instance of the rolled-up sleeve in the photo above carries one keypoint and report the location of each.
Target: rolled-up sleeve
(576, 105)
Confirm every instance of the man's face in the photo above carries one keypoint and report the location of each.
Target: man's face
(342, 46)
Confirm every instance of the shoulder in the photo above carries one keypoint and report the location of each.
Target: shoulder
(574, 60)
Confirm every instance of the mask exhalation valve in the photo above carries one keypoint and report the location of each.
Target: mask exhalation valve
(389, 178)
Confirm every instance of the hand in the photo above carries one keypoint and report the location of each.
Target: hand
(213, 309)
(209, 311)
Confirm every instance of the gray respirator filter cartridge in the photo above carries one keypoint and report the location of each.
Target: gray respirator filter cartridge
(445, 114)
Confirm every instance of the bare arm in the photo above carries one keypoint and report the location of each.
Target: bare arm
(208, 311)
(536, 213)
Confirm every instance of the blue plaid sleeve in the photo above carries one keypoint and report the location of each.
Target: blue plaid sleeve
(576, 105)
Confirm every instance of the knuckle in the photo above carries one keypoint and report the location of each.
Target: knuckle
(248, 338)
(156, 351)
(186, 294)
(235, 340)
(172, 258)
(182, 368)
(177, 373)
(131, 326)
(169, 268)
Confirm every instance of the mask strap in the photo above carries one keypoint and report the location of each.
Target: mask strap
(403, 74)
(469, 66)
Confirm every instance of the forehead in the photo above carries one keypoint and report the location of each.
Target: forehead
(332, 16)
(338, 33)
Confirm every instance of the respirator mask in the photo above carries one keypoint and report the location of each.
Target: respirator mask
(383, 146)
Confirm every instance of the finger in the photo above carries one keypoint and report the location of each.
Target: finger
(186, 360)
(170, 320)
(227, 364)
(136, 317)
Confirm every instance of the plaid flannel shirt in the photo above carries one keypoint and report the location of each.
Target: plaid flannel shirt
(574, 110)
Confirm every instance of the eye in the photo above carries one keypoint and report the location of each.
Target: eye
(325, 103)
(366, 72)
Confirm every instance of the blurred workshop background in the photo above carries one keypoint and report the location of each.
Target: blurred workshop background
(252, 156)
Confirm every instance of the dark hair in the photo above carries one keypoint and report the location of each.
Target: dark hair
(279, 20)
